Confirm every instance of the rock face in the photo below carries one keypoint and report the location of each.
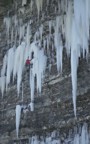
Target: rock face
(53, 108)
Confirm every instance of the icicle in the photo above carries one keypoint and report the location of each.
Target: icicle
(39, 4)
(74, 77)
(79, 40)
(75, 138)
(2, 84)
(20, 65)
(18, 115)
(58, 45)
(10, 65)
(24, 2)
(81, 12)
(74, 62)
(84, 135)
(68, 26)
(16, 60)
(38, 68)
(41, 69)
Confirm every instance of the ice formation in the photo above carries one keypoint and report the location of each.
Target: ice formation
(79, 41)
(68, 25)
(58, 45)
(74, 26)
(24, 2)
(39, 4)
(38, 69)
(81, 137)
(10, 65)
(18, 115)
(31, 105)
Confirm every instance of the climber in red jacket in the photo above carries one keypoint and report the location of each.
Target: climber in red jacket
(28, 61)
(29, 64)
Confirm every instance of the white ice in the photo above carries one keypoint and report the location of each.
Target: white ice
(10, 65)
(18, 115)
(58, 45)
(81, 137)
(39, 4)
(24, 2)
(38, 68)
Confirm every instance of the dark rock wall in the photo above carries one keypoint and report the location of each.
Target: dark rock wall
(54, 108)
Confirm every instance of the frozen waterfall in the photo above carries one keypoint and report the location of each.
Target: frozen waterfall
(73, 27)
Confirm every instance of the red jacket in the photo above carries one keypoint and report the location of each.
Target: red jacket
(28, 62)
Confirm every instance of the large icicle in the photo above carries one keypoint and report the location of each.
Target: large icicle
(16, 60)
(39, 64)
(68, 26)
(20, 65)
(38, 68)
(18, 115)
(82, 21)
(10, 65)
(58, 45)
(74, 76)
(79, 40)
(74, 62)
(7, 22)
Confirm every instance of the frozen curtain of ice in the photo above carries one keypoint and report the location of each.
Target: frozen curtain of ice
(74, 26)
(80, 137)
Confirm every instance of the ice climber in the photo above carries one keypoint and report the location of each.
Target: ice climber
(29, 62)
